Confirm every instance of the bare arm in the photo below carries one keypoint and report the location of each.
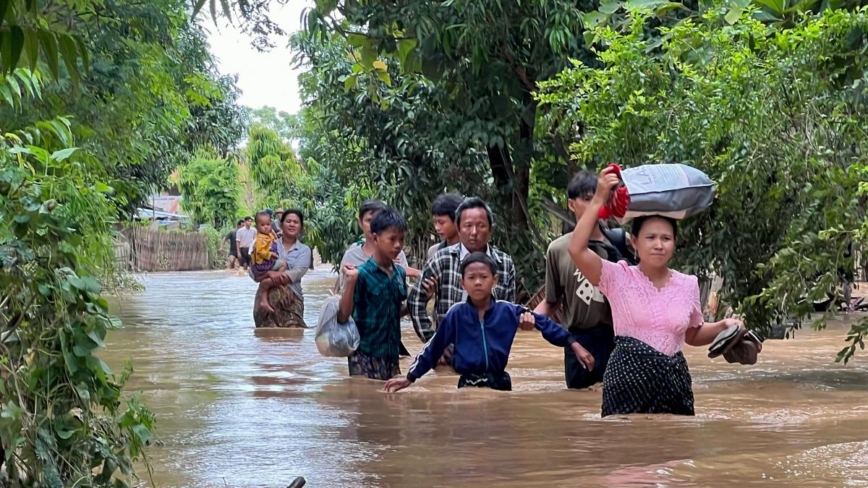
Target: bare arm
(588, 262)
(544, 308)
(707, 332)
(345, 310)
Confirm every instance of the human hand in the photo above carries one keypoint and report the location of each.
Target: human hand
(350, 271)
(585, 358)
(396, 384)
(607, 181)
(526, 321)
(429, 285)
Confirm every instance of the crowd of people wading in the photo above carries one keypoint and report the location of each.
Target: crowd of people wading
(611, 302)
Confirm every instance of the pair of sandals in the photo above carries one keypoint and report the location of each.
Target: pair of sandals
(737, 345)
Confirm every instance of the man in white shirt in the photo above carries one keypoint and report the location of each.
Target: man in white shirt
(244, 238)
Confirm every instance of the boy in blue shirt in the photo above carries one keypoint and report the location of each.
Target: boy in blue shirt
(482, 330)
(374, 295)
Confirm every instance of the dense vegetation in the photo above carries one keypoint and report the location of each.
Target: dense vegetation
(100, 101)
(103, 99)
(506, 100)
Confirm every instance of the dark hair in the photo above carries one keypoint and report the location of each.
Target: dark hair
(240, 222)
(262, 214)
(471, 203)
(388, 218)
(370, 206)
(446, 205)
(583, 184)
(478, 257)
(292, 211)
(248, 218)
(638, 222)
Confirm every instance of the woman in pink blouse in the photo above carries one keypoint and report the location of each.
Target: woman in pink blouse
(655, 311)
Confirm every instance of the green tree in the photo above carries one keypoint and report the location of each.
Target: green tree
(210, 187)
(62, 420)
(773, 116)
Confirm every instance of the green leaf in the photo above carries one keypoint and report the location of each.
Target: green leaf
(95, 337)
(21, 218)
(49, 48)
(593, 19)
(63, 154)
(7, 95)
(384, 77)
(405, 47)
(610, 6)
(350, 82)
(4, 6)
(17, 39)
(68, 357)
(775, 6)
(31, 48)
(70, 57)
(84, 52)
(733, 15)
(358, 40)
(198, 6)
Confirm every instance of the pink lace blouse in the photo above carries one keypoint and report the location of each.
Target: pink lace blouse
(657, 317)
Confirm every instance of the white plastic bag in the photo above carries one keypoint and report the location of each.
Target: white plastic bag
(671, 190)
(332, 338)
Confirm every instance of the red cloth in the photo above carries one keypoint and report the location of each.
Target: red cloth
(619, 199)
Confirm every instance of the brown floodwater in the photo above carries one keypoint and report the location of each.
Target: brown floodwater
(244, 407)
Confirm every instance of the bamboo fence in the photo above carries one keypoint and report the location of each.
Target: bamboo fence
(151, 250)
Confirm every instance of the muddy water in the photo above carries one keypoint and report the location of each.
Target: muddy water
(239, 407)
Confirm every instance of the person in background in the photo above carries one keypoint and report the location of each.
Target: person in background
(443, 210)
(289, 302)
(233, 244)
(655, 311)
(475, 223)
(483, 330)
(585, 311)
(244, 238)
(359, 252)
(374, 296)
(276, 220)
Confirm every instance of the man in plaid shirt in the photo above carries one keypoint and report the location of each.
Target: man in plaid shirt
(474, 222)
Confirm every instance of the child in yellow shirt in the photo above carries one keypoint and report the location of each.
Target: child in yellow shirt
(265, 257)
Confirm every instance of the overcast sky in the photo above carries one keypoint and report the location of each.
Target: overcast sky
(264, 78)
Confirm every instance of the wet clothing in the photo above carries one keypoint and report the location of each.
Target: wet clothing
(373, 367)
(245, 256)
(233, 244)
(444, 269)
(600, 342)
(640, 379)
(586, 312)
(481, 347)
(377, 301)
(496, 381)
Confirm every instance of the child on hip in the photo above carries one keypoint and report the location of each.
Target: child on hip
(265, 257)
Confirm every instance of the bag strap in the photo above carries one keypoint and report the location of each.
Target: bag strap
(618, 238)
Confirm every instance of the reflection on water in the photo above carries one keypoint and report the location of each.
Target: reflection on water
(244, 407)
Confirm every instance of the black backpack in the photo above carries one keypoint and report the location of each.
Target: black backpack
(618, 238)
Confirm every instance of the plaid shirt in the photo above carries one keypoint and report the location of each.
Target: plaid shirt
(444, 268)
(377, 301)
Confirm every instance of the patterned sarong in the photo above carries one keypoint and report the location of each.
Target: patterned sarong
(640, 379)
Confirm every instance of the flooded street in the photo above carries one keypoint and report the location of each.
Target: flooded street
(241, 407)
